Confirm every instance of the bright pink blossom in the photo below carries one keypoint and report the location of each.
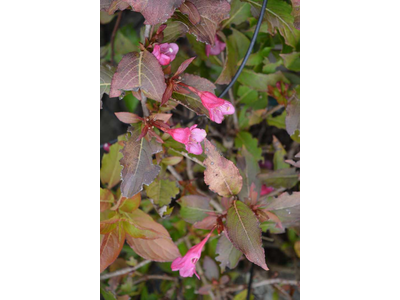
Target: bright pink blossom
(165, 53)
(191, 137)
(218, 47)
(187, 264)
(266, 190)
(217, 107)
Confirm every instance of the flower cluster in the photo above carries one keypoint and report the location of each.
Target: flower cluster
(190, 137)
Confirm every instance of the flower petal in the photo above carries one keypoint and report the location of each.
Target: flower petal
(227, 108)
(194, 148)
(180, 134)
(197, 134)
(218, 116)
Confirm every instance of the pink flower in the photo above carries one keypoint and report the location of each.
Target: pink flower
(165, 53)
(266, 190)
(217, 107)
(218, 47)
(190, 137)
(187, 264)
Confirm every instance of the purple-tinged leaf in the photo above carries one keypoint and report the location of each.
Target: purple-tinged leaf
(128, 118)
(243, 230)
(210, 268)
(137, 162)
(293, 116)
(249, 169)
(207, 223)
(284, 178)
(139, 71)
(221, 175)
(111, 6)
(189, 9)
(228, 255)
(106, 74)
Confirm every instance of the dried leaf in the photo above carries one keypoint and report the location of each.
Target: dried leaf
(228, 255)
(243, 230)
(212, 13)
(194, 208)
(111, 245)
(221, 175)
(191, 100)
(139, 71)
(137, 162)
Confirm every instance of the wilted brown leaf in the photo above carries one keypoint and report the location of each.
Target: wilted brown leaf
(221, 175)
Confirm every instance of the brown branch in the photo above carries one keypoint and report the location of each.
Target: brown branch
(125, 270)
(151, 277)
(187, 156)
(113, 36)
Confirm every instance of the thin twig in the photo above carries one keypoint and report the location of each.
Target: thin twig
(175, 173)
(113, 34)
(235, 117)
(146, 112)
(187, 156)
(125, 270)
(150, 277)
(262, 283)
(271, 111)
(189, 169)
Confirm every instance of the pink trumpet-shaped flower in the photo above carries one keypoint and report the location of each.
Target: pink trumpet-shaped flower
(217, 107)
(165, 53)
(218, 47)
(190, 137)
(187, 264)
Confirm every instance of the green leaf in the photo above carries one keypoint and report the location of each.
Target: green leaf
(249, 169)
(293, 116)
(284, 178)
(162, 191)
(278, 17)
(235, 43)
(278, 121)
(106, 199)
(279, 155)
(192, 101)
(247, 95)
(194, 208)
(137, 162)
(243, 296)
(228, 255)
(173, 31)
(110, 167)
(251, 144)
(243, 230)
(107, 295)
(172, 160)
(259, 81)
(292, 61)
(239, 13)
(221, 175)
(131, 102)
(269, 67)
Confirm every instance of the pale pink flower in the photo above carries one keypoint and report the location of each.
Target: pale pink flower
(190, 137)
(187, 264)
(266, 190)
(217, 107)
(218, 47)
(165, 53)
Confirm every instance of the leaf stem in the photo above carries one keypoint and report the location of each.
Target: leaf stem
(113, 36)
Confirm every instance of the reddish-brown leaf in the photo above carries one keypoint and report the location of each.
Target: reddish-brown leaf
(110, 247)
(128, 118)
(243, 230)
(139, 71)
(183, 67)
(207, 223)
(191, 11)
(155, 11)
(168, 93)
(160, 249)
(221, 175)
(137, 162)
(212, 13)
